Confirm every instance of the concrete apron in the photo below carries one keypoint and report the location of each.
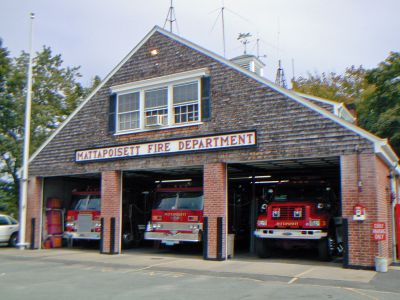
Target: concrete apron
(183, 263)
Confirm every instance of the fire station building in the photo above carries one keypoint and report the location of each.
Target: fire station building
(174, 111)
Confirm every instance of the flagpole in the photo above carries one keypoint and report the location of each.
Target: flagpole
(27, 132)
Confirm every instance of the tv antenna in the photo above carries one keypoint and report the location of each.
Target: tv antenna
(171, 18)
(222, 14)
(258, 49)
(244, 39)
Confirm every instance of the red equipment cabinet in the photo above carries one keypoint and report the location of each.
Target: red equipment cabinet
(397, 221)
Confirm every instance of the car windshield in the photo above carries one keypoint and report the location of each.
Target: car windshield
(179, 200)
(87, 202)
(300, 193)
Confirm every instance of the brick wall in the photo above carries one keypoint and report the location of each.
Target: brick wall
(215, 204)
(111, 207)
(384, 211)
(374, 195)
(34, 209)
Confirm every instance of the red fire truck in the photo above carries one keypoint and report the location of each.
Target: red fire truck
(177, 216)
(299, 215)
(83, 219)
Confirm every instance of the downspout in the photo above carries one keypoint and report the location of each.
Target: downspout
(393, 198)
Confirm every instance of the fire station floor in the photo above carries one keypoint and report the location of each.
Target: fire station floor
(278, 270)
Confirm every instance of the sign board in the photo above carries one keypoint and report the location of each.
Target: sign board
(379, 231)
(192, 144)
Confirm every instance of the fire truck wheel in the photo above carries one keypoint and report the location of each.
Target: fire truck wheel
(263, 248)
(325, 249)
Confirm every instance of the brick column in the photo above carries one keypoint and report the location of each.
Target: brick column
(111, 207)
(215, 205)
(374, 195)
(34, 210)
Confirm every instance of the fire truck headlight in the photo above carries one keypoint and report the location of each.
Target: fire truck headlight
(320, 205)
(157, 226)
(194, 226)
(262, 223)
(315, 223)
(70, 226)
(276, 213)
(297, 213)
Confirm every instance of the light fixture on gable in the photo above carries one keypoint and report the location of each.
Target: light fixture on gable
(153, 52)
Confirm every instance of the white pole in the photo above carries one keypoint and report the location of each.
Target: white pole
(24, 180)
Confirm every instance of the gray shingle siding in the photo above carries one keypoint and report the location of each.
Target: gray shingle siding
(285, 128)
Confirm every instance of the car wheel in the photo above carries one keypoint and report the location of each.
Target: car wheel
(13, 240)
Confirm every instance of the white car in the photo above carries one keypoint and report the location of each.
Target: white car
(8, 230)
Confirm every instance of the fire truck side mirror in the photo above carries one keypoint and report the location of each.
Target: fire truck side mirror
(263, 207)
(359, 212)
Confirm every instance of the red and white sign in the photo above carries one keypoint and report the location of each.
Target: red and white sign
(202, 143)
(379, 231)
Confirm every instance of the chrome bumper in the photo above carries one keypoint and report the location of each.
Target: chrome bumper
(168, 236)
(291, 234)
(82, 235)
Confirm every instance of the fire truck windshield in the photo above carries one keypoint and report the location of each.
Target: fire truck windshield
(179, 200)
(87, 202)
(300, 193)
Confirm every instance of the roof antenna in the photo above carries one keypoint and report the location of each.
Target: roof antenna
(171, 18)
(258, 49)
(293, 74)
(221, 12)
(280, 76)
(244, 39)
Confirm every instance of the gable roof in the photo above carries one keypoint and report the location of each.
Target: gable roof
(381, 146)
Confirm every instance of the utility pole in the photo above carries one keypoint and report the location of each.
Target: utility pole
(27, 132)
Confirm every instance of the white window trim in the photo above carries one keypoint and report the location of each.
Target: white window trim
(159, 81)
(169, 81)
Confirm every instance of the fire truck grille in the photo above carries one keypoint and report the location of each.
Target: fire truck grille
(84, 223)
(287, 213)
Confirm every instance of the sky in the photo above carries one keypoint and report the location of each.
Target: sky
(307, 35)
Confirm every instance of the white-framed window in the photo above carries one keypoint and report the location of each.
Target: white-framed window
(170, 101)
(128, 111)
(156, 107)
(186, 102)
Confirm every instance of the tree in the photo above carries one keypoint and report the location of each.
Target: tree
(56, 93)
(379, 111)
(348, 88)
(374, 93)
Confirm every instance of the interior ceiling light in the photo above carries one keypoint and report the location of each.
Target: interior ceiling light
(271, 181)
(173, 180)
(251, 177)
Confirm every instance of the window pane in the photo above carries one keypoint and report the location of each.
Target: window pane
(185, 92)
(156, 98)
(128, 102)
(129, 121)
(186, 113)
(3, 221)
